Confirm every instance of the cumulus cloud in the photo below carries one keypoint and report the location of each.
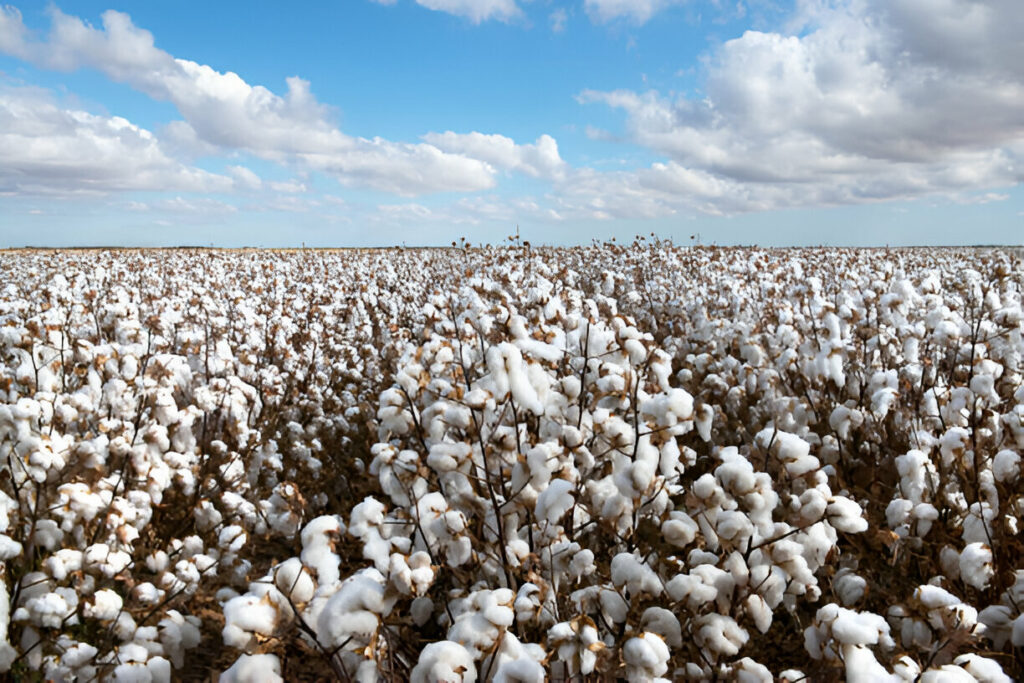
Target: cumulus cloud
(858, 104)
(540, 159)
(46, 148)
(635, 11)
(474, 10)
(221, 110)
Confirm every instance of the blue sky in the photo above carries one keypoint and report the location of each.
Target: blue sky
(373, 122)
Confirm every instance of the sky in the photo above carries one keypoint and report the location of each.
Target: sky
(421, 122)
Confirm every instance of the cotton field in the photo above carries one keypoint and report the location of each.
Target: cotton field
(640, 462)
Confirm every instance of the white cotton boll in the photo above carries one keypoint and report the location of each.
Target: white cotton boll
(231, 538)
(849, 587)
(646, 657)
(246, 615)
(704, 419)
(1017, 632)
(720, 634)
(663, 622)
(444, 661)
(421, 609)
(160, 669)
(759, 612)
(354, 612)
(254, 669)
(1006, 466)
(292, 579)
(679, 529)
(9, 548)
(318, 538)
(998, 621)
(131, 672)
(106, 605)
(630, 572)
(522, 670)
(976, 524)
(554, 501)
(862, 667)
(976, 565)
(982, 668)
(582, 564)
(705, 486)
(846, 515)
(746, 670)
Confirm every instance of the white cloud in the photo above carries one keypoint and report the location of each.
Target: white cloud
(221, 110)
(199, 206)
(634, 11)
(288, 186)
(476, 10)
(559, 18)
(857, 106)
(540, 159)
(45, 148)
(245, 178)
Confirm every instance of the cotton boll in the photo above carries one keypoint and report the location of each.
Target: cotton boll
(554, 501)
(106, 605)
(1017, 631)
(353, 613)
(746, 670)
(849, 587)
(1006, 466)
(646, 657)
(664, 623)
(976, 565)
(292, 579)
(637, 578)
(982, 668)
(846, 515)
(519, 671)
(421, 609)
(719, 634)
(247, 615)
(679, 529)
(759, 612)
(252, 668)
(444, 661)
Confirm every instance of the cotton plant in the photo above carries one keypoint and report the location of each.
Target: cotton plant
(737, 437)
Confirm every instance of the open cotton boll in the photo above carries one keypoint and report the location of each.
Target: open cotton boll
(490, 612)
(846, 515)
(790, 449)
(555, 501)
(292, 579)
(630, 572)
(519, 671)
(679, 529)
(759, 612)
(976, 565)
(444, 661)
(577, 643)
(663, 622)
(849, 587)
(105, 605)
(719, 634)
(353, 613)
(254, 669)
(646, 657)
(982, 668)
(1006, 466)
(245, 616)
(318, 539)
